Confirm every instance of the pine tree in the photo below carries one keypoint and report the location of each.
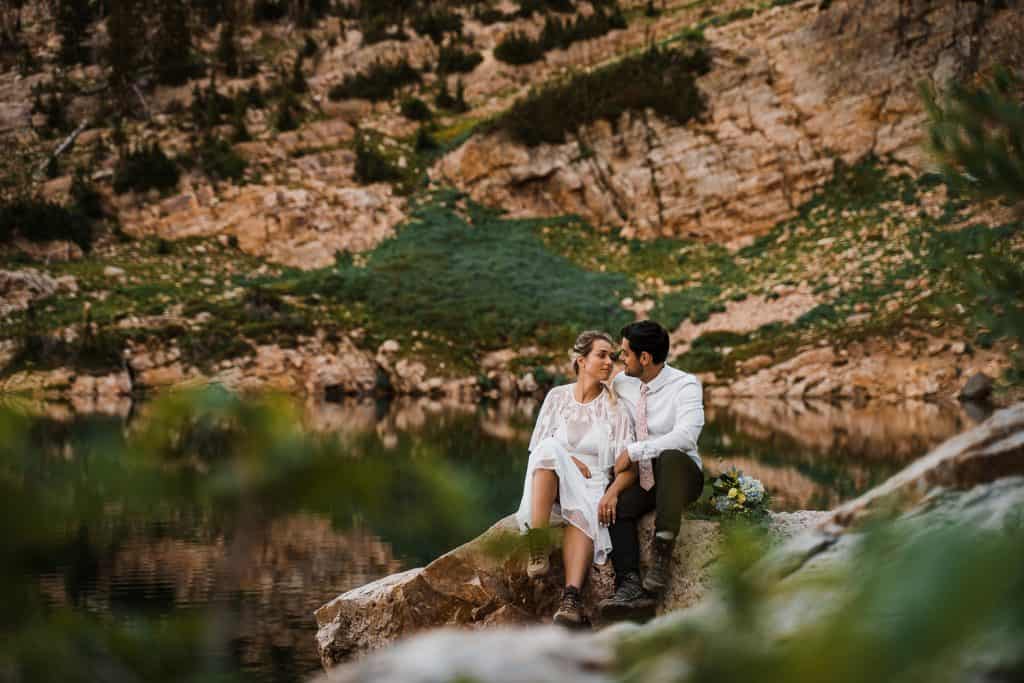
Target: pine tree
(227, 48)
(73, 19)
(126, 33)
(173, 49)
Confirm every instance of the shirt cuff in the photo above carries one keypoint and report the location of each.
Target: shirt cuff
(636, 451)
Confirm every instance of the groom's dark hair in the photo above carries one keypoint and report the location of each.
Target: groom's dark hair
(649, 336)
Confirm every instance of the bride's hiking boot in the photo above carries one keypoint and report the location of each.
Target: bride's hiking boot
(570, 609)
(630, 601)
(539, 563)
(657, 577)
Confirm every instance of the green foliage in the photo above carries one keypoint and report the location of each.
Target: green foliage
(309, 47)
(425, 142)
(528, 7)
(55, 110)
(453, 60)
(415, 109)
(286, 118)
(96, 351)
(977, 134)
(378, 83)
(445, 100)
(560, 34)
(695, 303)
(371, 166)
(379, 29)
(480, 281)
(73, 18)
(435, 23)
(227, 49)
(517, 48)
(707, 352)
(41, 221)
(887, 597)
(144, 169)
(219, 160)
(173, 44)
(661, 79)
(297, 84)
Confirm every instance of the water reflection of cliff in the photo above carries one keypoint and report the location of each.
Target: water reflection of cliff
(817, 455)
(283, 572)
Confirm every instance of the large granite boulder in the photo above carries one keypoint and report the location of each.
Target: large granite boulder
(974, 481)
(484, 583)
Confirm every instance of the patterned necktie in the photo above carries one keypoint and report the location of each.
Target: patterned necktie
(646, 471)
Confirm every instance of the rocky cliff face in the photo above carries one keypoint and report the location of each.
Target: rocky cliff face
(974, 481)
(792, 90)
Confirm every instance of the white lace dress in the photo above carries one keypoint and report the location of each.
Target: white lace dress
(595, 433)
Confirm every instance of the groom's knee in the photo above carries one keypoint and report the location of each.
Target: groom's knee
(678, 471)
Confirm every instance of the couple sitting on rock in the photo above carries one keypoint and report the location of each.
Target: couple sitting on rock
(602, 455)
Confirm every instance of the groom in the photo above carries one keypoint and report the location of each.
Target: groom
(668, 410)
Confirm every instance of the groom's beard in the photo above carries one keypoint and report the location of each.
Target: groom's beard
(639, 372)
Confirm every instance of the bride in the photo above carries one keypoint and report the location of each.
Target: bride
(580, 430)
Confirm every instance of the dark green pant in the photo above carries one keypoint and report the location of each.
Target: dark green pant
(677, 483)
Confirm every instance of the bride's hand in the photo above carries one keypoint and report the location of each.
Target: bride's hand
(584, 470)
(606, 508)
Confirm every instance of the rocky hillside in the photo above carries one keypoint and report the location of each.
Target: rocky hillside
(368, 200)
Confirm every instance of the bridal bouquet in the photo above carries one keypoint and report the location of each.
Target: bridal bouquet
(734, 494)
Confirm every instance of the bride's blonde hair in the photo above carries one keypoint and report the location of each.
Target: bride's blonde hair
(583, 345)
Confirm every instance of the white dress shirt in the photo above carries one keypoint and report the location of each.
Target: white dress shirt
(675, 412)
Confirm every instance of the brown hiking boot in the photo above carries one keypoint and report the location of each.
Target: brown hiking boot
(657, 577)
(630, 601)
(570, 610)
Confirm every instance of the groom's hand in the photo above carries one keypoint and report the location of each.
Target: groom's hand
(622, 463)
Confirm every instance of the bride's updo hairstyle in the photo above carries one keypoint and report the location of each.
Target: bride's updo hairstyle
(584, 344)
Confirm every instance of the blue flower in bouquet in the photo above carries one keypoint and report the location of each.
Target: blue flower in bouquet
(752, 489)
(722, 503)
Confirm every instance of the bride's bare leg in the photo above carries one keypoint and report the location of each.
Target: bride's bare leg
(577, 554)
(545, 489)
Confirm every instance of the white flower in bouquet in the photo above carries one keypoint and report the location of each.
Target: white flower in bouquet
(752, 489)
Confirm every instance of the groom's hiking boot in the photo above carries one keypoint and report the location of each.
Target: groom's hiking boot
(539, 564)
(657, 577)
(630, 601)
(570, 609)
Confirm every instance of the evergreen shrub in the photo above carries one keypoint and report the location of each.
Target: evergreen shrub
(37, 220)
(517, 48)
(144, 169)
(377, 83)
(453, 60)
(661, 79)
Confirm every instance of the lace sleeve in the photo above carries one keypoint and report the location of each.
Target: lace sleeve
(622, 434)
(547, 419)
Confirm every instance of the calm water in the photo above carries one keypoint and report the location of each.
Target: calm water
(290, 563)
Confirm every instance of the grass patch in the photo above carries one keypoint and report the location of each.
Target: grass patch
(476, 280)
